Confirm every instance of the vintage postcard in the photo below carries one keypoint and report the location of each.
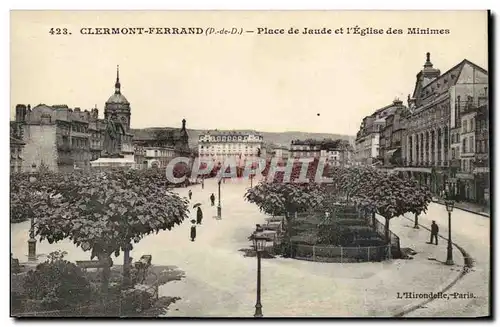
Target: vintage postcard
(250, 164)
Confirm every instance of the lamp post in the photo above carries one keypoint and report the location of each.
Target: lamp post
(251, 180)
(219, 208)
(449, 253)
(259, 244)
(32, 240)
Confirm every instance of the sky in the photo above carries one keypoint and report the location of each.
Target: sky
(271, 83)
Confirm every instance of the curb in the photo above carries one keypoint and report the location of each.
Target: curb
(468, 264)
(466, 210)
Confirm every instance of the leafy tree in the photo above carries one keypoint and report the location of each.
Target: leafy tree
(284, 199)
(392, 196)
(419, 199)
(104, 212)
(57, 283)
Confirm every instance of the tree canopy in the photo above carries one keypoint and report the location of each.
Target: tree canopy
(282, 198)
(102, 212)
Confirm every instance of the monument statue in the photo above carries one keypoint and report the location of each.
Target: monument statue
(113, 138)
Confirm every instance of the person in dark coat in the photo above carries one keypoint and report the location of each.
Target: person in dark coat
(193, 230)
(434, 232)
(212, 199)
(190, 193)
(203, 184)
(199, 216)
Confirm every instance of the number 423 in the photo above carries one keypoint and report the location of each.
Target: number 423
(59, 31)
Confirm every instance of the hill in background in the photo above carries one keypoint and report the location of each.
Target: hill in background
(283, 138)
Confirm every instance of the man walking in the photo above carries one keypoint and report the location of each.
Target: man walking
(202, 183)
(199, 216)
(193, 230)
(212, 199)
(190, 193)
(434, 232)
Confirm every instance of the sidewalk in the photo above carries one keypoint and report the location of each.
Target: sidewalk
(426, 272)
(467, 206)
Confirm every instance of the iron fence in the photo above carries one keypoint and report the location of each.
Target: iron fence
(341, 254)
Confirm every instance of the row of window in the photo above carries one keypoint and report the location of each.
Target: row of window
(228, 146)
(230, 138)
(163, 153)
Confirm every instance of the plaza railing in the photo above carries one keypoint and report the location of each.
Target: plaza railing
(327, 253)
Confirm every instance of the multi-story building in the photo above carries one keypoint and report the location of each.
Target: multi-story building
(481, 165)
(391, 136)
(305, 148)
(62, 138)
(432, 127)
(281, 152)
(240, 146)
(161, 144)
(337, 152)
(368, 137)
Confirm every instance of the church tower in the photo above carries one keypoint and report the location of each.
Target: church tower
(117, 107)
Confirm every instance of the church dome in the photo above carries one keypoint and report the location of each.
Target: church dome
(118, 98)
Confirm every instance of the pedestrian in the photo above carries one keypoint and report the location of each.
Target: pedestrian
(203, 184)
(212, 199)
(190, 193)
(199, 216)
(434, 232)
(193, 230)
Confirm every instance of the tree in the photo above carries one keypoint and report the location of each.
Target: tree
(104, 212)
(284, 199)
(391, 196)
(419, 199)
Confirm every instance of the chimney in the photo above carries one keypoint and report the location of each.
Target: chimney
(20, 113)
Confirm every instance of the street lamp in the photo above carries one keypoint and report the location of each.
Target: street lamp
(449, 253)
(259, 243)
(32, 240)
(219, 208)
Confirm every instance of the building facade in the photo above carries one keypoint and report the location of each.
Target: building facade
(432, 136)
(158, 146)
(367, 148)
(63, 138)
(240, 146)
(481, 164)
(16, 149)
(335, 152)
(305, 148)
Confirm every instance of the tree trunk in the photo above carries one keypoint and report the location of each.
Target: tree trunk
(416, 221)
(105, 260)
(126, 268)
(386, 230)
(288, 235)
